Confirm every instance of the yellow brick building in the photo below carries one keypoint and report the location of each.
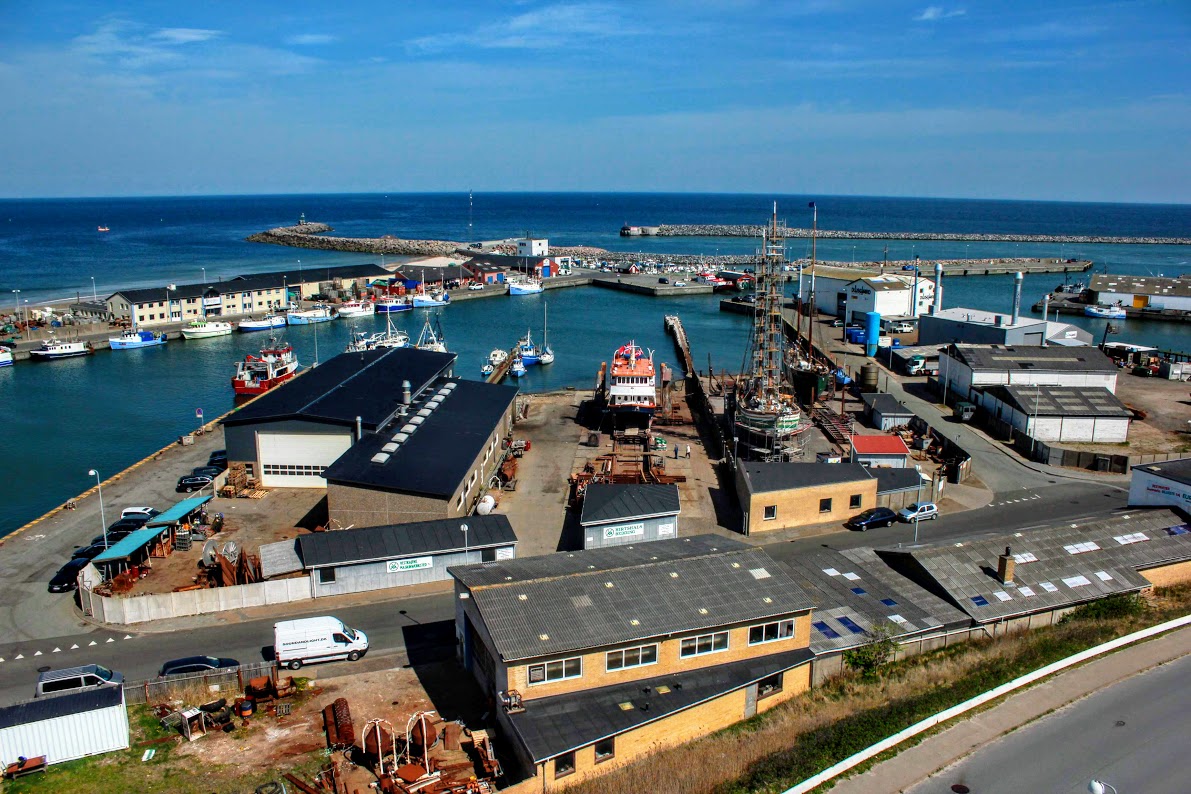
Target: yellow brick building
(595, 658)
(789, 495)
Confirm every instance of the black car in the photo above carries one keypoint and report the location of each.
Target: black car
(89, 552)
(128, 524)
(207, 471)
(217, 457)
(192, 483)
(67, 578)
(113, 537)
(874, 517)
(219, 463)
(196, 664)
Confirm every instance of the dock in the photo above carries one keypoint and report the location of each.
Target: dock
(649, 285)
(502, 369)
(1062, 303)
(745, 230)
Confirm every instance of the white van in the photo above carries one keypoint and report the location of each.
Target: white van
(322, 639)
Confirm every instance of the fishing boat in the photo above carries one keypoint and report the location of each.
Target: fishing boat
(390, 337)
(257, 374)
(527, 350)
(487, 370)
(426, 300)
(201, 329)
(357, 309)
(5, 357)
(497, 356)
(318, 313)
(1105, 312)
(546, 355)
(102, 229)
(54, 348)
(525, 287)
(632, 389)
(518, 369)
(394, 303)
(430, 339)
(266, 323)
(132, 339)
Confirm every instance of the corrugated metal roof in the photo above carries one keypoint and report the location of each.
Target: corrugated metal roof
(1061, 400)
(280, 558)
(48, 708)
(369, 544)
(614, 502)
(766, 477)
(1177, 470)
(1032, 358)
(879, 445)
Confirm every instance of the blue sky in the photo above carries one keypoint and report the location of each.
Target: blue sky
(1050, 100)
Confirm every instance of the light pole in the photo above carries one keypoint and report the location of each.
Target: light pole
(1034, 424)
(204, 275)
(966, 247)
(16, 303)
(918, 504)
(853, 254)
(94, 293)
(1100, 787)
(102, 518)
(463, 528)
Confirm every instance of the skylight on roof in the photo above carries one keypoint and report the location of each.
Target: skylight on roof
(1024, 557)
(851, 577)
(825, 630)
(1181, 529)
(1104, 576)
(889, 602)
(1048, 587)
(980, 601)
(1026, 590)
(759, 573)
(898, 619)
(831, 572)
(850, 625)
(1081, 548)
(1077, 581)
(859, 591)
(1134, 537)
(1002, 595)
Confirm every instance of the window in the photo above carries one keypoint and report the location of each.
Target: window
(889, 602)
(769, 686)
(704, 643)
(854, 500)
(557, 670)
(770, 512)
(62, 684)
(771, 632)
(564, 765)
(826, 630)
(632, 657)
(286, 470)
(824, 505)
(605, 749)
(326, 575)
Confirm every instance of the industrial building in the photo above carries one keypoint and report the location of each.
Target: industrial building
(1162, 484)
(891, 296)
(287, 437)
(885, 451)
(787, 495)
(976, 326)
(1073, 414)
(966, 369)
(375, 558)
(598, 658)
(885, 411)
(1142, 292)
(619, 514)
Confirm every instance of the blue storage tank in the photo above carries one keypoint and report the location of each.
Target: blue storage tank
(872, 332)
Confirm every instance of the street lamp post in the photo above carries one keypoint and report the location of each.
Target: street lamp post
(102, 518)
(853, 254)
(94, 293)
(463, 528)
(918, 503)
(16, 303)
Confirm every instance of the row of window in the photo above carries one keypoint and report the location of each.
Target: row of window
(854, 501)
(285, 470)
(624, 658)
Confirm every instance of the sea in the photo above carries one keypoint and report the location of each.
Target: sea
(61, 419)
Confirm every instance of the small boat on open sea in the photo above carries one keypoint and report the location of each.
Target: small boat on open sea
(257, 374)
(55, 348)
(319, 313)
(5, 357)
(1106, 312)
(266, 323)
(132, 339)
(201, 329)
(357, 309)
(102, 228)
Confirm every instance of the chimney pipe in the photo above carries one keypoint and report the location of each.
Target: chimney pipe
(1017, 277)
(406, 398)
(1005, 566)
(1045, 314)
(359, 428)
(937, 306)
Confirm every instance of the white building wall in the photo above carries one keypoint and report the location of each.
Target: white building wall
(1110, 430)
(827, 291)
(531, 247)
(1147, 488)
(68, 737)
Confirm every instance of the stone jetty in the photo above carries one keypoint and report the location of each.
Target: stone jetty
(314, 235)
(721, 230)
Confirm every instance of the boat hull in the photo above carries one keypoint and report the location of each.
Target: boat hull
(518, 289)
(421, 302)
(393, 308)
(298, 320)
(248, 326)
(362, 311)
(1105, 313)
(204, 333)
(254, 387)
(5, 358)
(44, 355)
(148, 340)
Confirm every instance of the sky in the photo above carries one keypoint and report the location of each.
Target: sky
(1050, 99)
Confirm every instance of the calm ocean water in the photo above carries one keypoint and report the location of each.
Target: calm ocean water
(111, 409)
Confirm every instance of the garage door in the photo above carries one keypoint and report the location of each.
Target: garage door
(297, 460)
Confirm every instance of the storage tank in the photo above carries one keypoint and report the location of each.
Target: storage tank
(872, 332)
(486, 505)
(868, 378)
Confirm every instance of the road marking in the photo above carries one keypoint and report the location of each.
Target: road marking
(56, 650)
(109, 639)
(128, 636)
(19, 656)
(74, 647)
(37, 654)
(93, 642)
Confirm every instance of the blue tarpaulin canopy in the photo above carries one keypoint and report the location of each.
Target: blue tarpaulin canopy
(178, 511)
(136, 541)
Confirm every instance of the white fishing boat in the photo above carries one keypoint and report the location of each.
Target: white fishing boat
(390, 337)
(55, 348)
(431, 339)
(132, 339)
(266, 323)
(1106, 312)
(357, 309)
(201, 329)
(525, 287)
(487, 370)
(5, 357)
(394, 303)
(318, 313)
(497, 356)
(545, 354)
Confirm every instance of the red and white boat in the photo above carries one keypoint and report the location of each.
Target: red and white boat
(257, 374)
(632, 387)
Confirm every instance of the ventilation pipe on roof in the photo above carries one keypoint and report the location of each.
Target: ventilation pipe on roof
(359, 428)
(1005, 566)
(1045, 314)
(1017, 277)
(937, 306)
(406, 397)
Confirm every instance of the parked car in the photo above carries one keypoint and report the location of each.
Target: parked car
(874, 517)
(475, 286)
(69, 680)
(321, 639)
(217, 457)
(919, 510)
(67, 577)
(89, 552)
(113, 537)
(837, 323)
(196, 664)
(663, 280)
(192, 483)
(207, 471)
(680, 283)
(137, 512)
(129, 524)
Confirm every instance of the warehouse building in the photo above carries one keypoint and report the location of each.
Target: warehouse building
(890, 295)
(880, 452)
(885, 411)
(434, 460)
(289, 436)
(964, 370)
(1162, 484)
(598, 658)
(1072, 414)
(620, 514)
(788, 495)
(978, 327)
(1142, 292)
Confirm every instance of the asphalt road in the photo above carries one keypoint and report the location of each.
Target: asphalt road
(1129, 735)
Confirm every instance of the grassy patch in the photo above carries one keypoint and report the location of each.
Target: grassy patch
(782, 747)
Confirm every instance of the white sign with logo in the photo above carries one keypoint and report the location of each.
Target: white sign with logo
(624, 531)
(504, 554)
(665, 530)
(411, 564)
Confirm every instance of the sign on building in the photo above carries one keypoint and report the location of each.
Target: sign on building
(666, 530)
(624, 531)
(410, 564)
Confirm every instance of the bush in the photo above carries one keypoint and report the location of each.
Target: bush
(1111, 608)
(869, 658)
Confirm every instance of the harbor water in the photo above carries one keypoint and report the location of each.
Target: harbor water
(109, 410)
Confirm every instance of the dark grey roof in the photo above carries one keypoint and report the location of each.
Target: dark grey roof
(832, 580)
(371, 544)
(1141, 285)
(553, 725)
(438, 455)
(589, 599)
(605, 502)
(765, 477)
(891, 479)
(366, 384)
(1061, 400)
(153, 294)
(1030, 358)
(48, 708)
(433, 275)
(885, 404)
(314, 275)
(1177, 470)
(1056, 566)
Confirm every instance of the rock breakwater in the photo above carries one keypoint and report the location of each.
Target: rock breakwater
(313, 235)
(721, 230)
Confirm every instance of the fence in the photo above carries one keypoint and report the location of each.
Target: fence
(160, 606)
(157, 690)
(1042, 452)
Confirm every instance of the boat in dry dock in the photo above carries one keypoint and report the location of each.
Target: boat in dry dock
(257, 374)
(632, 384)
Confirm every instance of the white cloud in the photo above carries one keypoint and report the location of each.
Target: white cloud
(935, 13)
(548, 27)
(185, 35)
(309, 39)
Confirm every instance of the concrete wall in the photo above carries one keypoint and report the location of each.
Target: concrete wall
(161, 606)
(621, 533)
(366, 576)
(799, 507)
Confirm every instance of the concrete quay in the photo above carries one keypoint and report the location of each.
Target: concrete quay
(726, 230)
(1061, 303)
(648, 285)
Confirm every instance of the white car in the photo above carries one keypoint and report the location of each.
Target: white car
(680, 283)
(475, 286)
(138, 511)
(920, 511)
